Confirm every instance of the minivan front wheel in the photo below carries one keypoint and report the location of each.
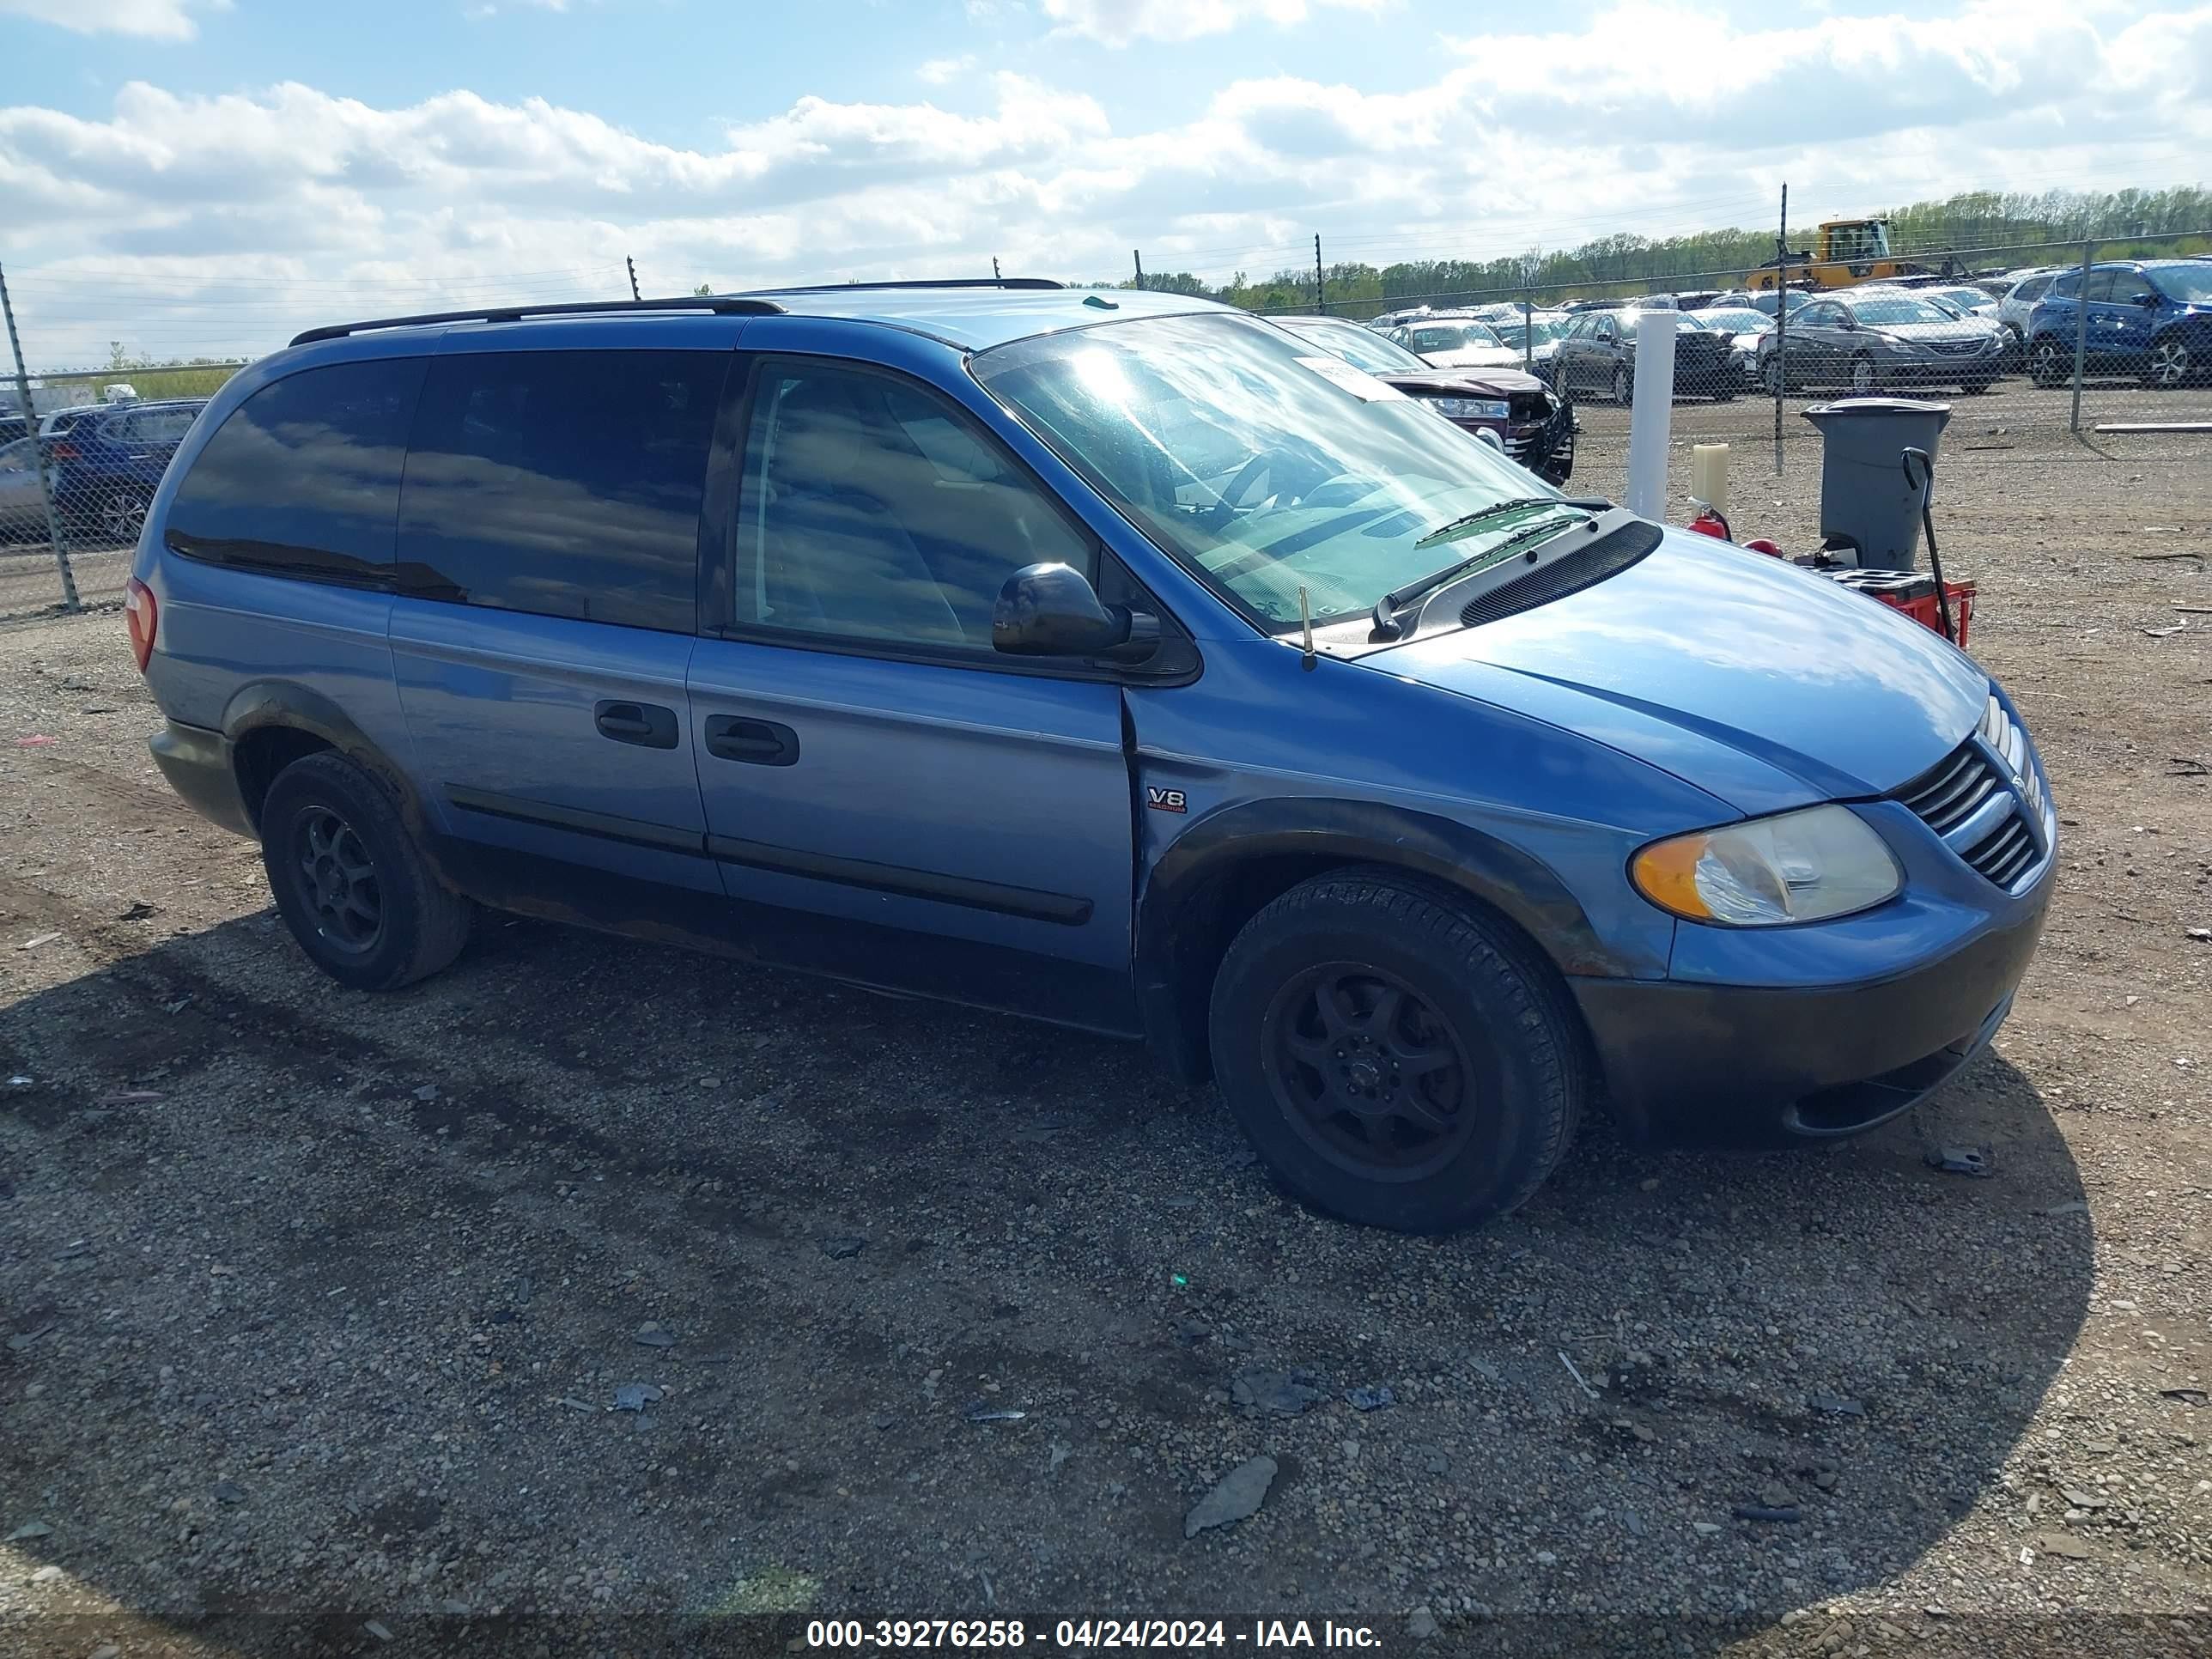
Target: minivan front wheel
(1397, 1058)
(350, 881)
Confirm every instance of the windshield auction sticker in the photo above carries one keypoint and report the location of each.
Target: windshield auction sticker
(1358, 381)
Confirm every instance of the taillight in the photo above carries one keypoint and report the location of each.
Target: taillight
(141, 616)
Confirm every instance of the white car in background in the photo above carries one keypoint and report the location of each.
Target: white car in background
(2027, 288)
(1455, 342)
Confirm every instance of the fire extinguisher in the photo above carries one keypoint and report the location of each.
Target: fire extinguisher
(1710, 522)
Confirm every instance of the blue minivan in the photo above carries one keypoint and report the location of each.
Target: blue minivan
(1114, 659)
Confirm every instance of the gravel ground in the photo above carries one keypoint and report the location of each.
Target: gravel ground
(322, 1310)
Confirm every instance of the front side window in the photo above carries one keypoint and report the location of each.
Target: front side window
(2189, 284)
(564, 484)
(1822, 316)
(1221, 437)
(874, 511)
(2130, 287)
(159, 426)
(303, 476)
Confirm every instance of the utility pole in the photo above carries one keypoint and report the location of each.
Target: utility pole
(1780, 321)
(632, 265)
(38, 452)
(994, 270)
(1320, 285)
(1138, 255)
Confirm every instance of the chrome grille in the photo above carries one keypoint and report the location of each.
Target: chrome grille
(1968, 798)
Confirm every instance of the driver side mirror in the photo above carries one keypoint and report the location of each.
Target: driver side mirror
(1052, 610)
(1847, 321)
(2147, 301)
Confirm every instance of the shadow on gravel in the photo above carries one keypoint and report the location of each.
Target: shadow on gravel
(326, 1317)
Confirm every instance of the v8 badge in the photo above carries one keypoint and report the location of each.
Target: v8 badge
(1165, 800)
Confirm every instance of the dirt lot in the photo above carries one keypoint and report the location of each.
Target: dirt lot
(318, 1306)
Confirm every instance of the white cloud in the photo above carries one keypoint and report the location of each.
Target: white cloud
(1119, 22)
(160, 20)
(938, 71)
(187, 221)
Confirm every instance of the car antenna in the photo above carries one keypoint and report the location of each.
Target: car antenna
(1305, 623)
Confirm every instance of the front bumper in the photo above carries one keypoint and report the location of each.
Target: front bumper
(1756, 1066)
(198, 764)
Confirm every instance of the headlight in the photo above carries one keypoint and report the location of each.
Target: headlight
(1473, 408)
(1806, 866)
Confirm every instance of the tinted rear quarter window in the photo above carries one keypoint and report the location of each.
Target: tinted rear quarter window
(303, 476)
(565, 484)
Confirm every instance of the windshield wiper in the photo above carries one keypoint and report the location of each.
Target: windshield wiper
(1387, 625)
(1452, 529)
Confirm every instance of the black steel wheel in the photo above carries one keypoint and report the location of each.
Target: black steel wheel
(350, 879)
(1368, 1071)
(1398, 1055)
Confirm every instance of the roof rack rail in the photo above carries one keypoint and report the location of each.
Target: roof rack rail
(721, 304)
(921, 282)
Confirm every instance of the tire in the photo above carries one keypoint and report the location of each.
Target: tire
(2170, 364)
(2047, 366)
(1476, 1131)
(1623, 385)
(1864, 376)
(1772, 377)
(373, 915)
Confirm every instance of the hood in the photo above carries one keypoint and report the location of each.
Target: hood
(1761, 684)
(1465, 382)
(1473, 357)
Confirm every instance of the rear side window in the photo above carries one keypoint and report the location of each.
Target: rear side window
(303, 476)
(565, 484)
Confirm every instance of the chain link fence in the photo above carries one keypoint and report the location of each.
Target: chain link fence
(2085, 339)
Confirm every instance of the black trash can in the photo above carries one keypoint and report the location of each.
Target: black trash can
(1867, 505)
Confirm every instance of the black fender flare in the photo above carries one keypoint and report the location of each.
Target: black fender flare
(261, 704)
(1179, 942)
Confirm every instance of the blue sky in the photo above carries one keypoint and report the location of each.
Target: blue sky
(182, 173)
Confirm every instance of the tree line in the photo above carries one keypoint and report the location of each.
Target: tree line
(1962, 227)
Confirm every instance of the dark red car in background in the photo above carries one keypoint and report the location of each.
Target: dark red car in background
(1535, 425)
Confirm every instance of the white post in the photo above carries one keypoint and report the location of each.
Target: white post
(1653, 405)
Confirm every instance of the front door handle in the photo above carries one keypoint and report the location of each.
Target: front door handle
(646, 724)
(756, 743)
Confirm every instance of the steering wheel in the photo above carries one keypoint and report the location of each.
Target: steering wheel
(1259, 467)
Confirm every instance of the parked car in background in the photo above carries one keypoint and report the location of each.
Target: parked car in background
(1535, 426)
(1764, 299)
(1385, 321)
(843, 630)
(1597, 356)
(1449, 340)
(22, 504)
(1967, 300)
(2020, 299)
(110, 459)
(2149, 317)
(1744, 328)
(1534, 337)
(1867, 338)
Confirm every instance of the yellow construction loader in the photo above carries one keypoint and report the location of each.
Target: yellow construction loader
(1852, 251)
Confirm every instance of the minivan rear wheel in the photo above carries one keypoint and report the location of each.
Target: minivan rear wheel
(1397, 1058)
(349, 880)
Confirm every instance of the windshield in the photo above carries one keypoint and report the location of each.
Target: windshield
(1256, 460)
(1966, 298)
(1729, 321)
(1893, 312)
(2185, 284)
(1453, 336)
(1362, 348)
